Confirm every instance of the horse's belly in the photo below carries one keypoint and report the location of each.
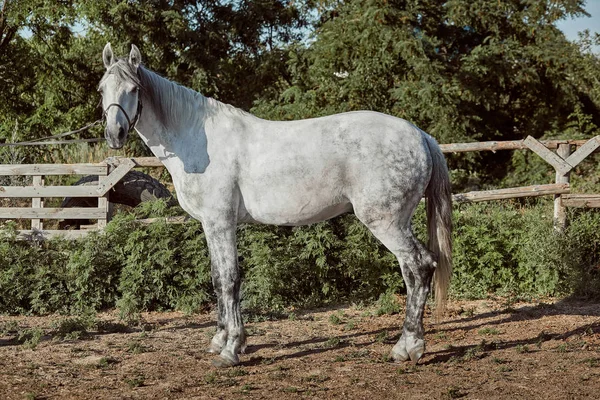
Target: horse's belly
(291, 213)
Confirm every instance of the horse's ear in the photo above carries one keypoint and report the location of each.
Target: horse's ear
(107, 56)
(135, 57)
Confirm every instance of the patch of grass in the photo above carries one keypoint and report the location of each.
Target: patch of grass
(497, 360)
(291, 389)
(135, 346)
(237, 371)
(388, 304)
(350, 325)
(106, 362)
(73, 328)
(267, 361)
(316, 378)
(406, 370)
(8, 328)
(359, 354)
(334, 319)
(562, 348)
(488, 331)
(592, 362)
(469, 312)
(247, 387)
(454, 392)
(135, 381)
(210, 378)
(382, 337)
(30, 338)
(332, 342)
(522, 348)
(472, 353)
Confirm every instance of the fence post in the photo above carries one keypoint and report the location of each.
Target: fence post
(104, 205)
(560, 215)
(37, 202)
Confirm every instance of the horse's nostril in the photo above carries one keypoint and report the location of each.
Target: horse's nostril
(121, 133)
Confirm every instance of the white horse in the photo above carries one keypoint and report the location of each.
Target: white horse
(229, 166)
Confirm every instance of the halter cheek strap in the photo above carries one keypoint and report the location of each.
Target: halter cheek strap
(129, 121)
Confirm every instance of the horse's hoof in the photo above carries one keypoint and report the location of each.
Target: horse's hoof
(213, 349)
(416, 354)
(408, 349)
(416, 349)
(399, 353)
(226, 360)
(221, 362)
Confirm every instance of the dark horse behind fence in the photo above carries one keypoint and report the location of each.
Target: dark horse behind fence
(229, 166)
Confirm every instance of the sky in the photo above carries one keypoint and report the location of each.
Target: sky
(571, 26)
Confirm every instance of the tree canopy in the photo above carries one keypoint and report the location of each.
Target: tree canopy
(462, 70)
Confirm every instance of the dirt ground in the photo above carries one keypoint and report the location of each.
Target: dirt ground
(482, 350)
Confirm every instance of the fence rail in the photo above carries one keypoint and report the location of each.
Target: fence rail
(112, 170)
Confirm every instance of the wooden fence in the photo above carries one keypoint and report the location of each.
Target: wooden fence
(112, 170)
(109, 174)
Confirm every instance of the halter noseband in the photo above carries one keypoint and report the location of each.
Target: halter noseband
(131, 123)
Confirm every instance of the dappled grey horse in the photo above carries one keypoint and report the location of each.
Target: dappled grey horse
(229, 166)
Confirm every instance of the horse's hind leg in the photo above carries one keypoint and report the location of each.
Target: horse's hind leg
(230, 339)
(417, 267)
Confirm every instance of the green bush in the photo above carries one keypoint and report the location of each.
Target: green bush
(505, 248)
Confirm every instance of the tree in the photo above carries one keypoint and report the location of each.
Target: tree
(50, 60)
(462, 70)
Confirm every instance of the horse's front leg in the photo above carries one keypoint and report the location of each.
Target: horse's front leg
(220, 338)
(229, 340)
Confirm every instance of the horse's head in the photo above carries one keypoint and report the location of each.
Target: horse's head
(120, 87)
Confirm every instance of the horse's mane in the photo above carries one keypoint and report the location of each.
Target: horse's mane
(172, 103)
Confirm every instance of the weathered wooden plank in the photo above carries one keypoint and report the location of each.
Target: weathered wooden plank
(53, 169)
(36, 202)
(512, 193)
(180, 219)
(502, 145)
(48, 191)
(549, 156)
(50, 234)
(581, 200)
(125, 165)
(147, 162)
(51, 213)
(588, 148)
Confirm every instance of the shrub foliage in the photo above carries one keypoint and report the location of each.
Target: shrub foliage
(503, 248)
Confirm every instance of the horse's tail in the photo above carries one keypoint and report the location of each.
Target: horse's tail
(439, 224)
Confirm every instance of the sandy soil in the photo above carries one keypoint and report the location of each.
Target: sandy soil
(481, 350)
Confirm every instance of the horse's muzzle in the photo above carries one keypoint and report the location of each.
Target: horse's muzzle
(116, 141)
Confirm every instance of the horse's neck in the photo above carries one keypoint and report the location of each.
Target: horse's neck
(175, 108)
(173, 123)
